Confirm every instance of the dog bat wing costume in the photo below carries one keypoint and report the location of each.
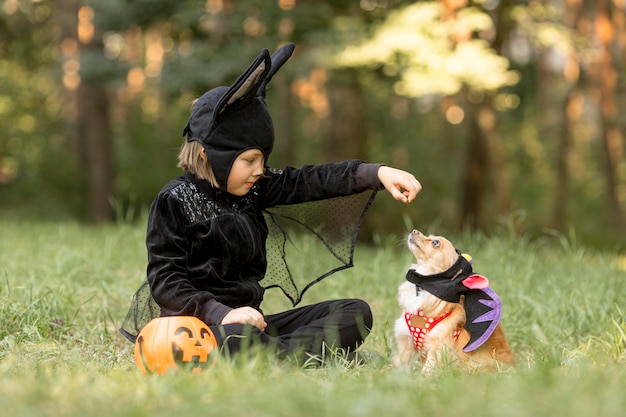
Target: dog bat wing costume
(483, 308)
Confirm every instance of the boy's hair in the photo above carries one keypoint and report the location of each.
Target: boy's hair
(191, 158)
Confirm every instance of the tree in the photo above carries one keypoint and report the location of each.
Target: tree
(438, 48)
(92, 117)
(604, 78)
(575, 50)
(498, 105)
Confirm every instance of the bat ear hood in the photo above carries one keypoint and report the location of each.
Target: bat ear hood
(231, 120)
(476, 282)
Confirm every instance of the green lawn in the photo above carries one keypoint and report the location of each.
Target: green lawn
(65, 289)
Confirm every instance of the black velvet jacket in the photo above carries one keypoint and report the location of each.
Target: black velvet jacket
(206, 248)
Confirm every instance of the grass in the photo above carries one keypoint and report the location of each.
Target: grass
(65, 288)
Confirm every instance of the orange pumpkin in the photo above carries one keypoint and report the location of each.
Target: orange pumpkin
(176, 342)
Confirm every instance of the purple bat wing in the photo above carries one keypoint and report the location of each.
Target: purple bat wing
(483, 310)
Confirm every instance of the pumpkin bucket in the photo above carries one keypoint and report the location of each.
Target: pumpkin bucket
(175, 342)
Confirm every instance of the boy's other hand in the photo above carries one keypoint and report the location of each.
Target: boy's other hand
(245, 315)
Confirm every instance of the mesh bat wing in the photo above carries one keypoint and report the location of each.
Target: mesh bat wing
(326, 233)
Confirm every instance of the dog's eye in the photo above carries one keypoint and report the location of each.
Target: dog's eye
(436, 243)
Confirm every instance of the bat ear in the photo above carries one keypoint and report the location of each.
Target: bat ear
(278, 59)
(247, 85)
(476, 282)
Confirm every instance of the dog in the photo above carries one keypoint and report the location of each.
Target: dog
(438, 300)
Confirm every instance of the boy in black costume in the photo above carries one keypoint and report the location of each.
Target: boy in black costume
(207, 233)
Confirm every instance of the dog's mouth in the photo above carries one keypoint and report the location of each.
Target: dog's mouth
(415, 238)
(414, 242)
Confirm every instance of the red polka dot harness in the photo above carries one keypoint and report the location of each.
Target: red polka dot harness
(419, 326)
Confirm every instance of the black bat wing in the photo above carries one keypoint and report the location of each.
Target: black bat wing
(483, 309)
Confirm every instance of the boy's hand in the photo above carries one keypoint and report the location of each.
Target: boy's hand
(402, 185)
(245, 315)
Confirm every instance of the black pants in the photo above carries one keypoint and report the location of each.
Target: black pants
(303, 331)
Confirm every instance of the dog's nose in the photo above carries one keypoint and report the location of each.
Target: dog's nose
(415, 232)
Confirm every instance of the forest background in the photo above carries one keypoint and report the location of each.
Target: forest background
(509, 112)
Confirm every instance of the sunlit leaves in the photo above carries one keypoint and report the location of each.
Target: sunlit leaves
(432, 55)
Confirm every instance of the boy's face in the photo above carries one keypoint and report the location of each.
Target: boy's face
(246, 170)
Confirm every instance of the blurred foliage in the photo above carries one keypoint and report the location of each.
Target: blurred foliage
(423, 73)
(417, 44)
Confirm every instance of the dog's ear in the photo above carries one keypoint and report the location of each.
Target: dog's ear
(476, 282)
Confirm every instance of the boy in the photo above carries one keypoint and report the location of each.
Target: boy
(206, 236)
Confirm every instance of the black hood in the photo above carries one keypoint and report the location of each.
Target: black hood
(231, 120)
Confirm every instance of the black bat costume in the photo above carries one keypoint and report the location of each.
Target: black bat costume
(210, 251)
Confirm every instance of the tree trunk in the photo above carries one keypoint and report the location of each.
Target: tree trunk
(93, 130)
(86, 110)
(566, 148)
(347, 133)
(95, 134)
(476, 173)
(499, 174)
(570, 114)
(605, 83)
(486, 157)
(285, 130)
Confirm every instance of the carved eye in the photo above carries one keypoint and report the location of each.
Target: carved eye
(436, 243)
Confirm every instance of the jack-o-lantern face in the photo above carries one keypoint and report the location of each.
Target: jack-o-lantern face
(170, 343)
(188, 347)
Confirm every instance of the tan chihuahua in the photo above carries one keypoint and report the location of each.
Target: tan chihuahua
(450, 315)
